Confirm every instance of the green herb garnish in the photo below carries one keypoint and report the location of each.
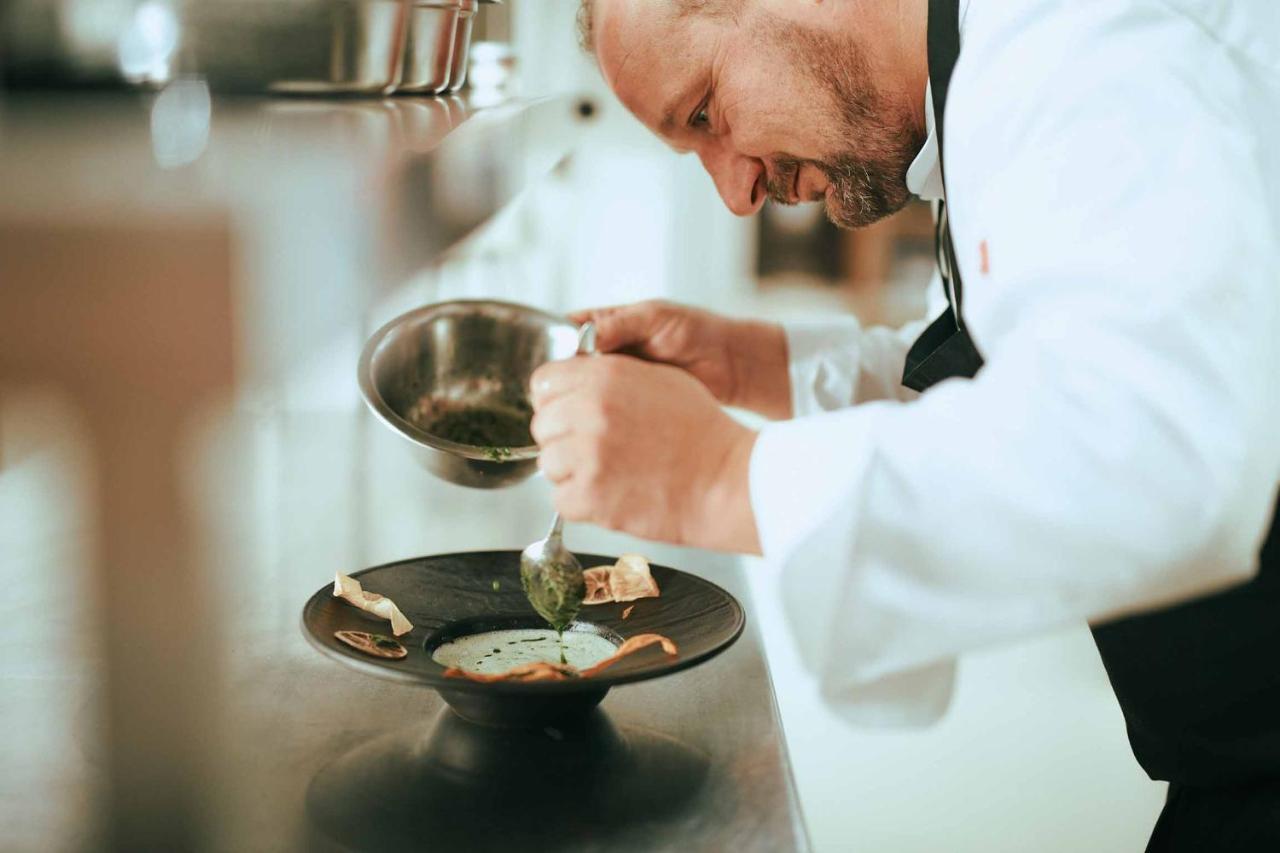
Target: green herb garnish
(493, 429)
(558, 595)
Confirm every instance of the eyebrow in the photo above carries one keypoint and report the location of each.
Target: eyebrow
(669, 115)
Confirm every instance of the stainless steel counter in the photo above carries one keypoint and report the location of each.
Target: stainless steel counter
(285, 499)
(168, 499)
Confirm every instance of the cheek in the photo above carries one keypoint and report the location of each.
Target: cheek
(774, 109)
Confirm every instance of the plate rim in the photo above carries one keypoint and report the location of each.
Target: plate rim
(437, 682)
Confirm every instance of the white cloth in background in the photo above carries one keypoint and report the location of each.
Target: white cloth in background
(1113, 171)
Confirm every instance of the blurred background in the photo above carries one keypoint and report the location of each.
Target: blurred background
(159, 165)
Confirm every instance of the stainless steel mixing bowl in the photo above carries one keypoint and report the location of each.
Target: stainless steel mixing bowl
(458, 355)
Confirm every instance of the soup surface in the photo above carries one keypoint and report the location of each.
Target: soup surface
(493, 652)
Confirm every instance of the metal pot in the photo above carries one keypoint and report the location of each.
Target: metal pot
(323, 47)
(462, 45)
(461, 355)
(428, 47)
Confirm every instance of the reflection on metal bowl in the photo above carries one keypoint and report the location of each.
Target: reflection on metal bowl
(462, 45)
(321, 47)
(462, 355)
(365, 40)
(428, 47)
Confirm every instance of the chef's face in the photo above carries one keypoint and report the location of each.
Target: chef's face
(774, 99)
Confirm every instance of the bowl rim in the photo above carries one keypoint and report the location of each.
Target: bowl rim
(379, 406)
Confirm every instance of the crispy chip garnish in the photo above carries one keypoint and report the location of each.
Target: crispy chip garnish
(372, 644)
(536, 671)
(626, 580)
(597, 580)
(631, 646)
(349, 590)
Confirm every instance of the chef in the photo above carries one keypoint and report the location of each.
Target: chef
(1084, 429)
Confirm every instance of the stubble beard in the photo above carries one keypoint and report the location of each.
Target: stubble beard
(869, 178)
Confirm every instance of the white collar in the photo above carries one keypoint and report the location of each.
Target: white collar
(924, 175)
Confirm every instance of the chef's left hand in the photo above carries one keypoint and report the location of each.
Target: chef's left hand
(645, 449)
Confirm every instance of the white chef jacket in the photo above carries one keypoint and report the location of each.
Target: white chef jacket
(1113, 168)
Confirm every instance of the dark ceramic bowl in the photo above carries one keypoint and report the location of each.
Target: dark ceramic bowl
(450, 595)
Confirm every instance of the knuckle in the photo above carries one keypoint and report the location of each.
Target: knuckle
(613, 371)
(537, 427)
(596, 424)
(590, 474)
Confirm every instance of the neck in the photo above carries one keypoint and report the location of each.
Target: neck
(912, 52)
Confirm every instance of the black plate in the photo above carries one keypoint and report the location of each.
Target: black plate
(449, 595)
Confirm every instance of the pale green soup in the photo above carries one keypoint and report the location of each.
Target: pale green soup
(498, 651)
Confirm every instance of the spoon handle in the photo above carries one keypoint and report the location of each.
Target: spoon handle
(586, 346)
(587, 338)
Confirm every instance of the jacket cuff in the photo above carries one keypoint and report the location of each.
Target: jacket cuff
(823, 359)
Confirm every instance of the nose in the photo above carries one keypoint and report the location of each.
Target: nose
(739, 179)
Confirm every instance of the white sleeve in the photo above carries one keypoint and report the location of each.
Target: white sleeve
(1117, 451)
(834, 363)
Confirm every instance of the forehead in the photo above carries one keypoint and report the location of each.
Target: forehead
(650, 56)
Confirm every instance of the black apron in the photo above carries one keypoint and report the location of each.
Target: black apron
(1199, 682)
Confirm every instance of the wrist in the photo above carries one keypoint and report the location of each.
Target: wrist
(762, 379)
(724, 519)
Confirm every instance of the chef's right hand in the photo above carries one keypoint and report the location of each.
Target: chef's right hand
(743, 363)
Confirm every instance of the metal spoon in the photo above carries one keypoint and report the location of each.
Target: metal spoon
(550, 574)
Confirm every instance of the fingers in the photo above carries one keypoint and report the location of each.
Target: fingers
(622, 326)
(573, 503)
(555, 463)
(558, 417)
(567, 407)
(556, 379)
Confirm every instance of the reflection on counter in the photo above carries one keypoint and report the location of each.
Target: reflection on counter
(462, 786)
(180, 123)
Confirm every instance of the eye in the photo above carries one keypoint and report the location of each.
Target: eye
(701, 118)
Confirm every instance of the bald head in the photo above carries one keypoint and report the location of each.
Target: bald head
(792, 101)
(677, 8)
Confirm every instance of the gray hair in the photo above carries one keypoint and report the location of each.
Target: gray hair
(682, 8)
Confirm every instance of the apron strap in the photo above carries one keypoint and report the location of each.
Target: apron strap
(944, 52)
(945, 350)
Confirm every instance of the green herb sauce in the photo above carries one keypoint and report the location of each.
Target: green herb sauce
(556, 594)
(495, 430)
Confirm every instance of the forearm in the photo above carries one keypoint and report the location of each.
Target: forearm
(761, 376)
(1063, 485)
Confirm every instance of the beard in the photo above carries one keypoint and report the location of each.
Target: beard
(868, 176)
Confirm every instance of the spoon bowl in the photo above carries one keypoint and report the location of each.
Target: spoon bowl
(552, 578)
